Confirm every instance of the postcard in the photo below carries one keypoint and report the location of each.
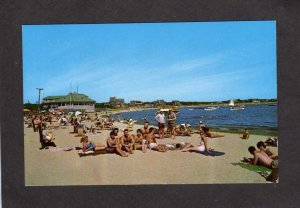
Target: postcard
(150, 103)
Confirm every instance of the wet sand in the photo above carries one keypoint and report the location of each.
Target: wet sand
(45, 167)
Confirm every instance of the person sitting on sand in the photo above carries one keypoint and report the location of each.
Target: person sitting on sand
(48, 140)
(113, 146)
(183, 131)
(202, 147)
(36, 123)
(262, 147)
(209, 134)
(140, 139)
(246, 134)
(90, 146)
(127, 142)
(152, 145)
(145, 130)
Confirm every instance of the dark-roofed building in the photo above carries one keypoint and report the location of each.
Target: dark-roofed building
(72, 101)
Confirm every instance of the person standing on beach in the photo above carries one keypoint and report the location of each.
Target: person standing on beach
(171, 123)
(160, 117)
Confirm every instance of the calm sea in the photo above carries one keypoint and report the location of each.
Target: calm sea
(260, 119)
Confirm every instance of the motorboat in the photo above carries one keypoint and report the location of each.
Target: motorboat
(211, 108)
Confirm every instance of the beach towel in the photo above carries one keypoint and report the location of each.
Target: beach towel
(212, 153)
(254, 168)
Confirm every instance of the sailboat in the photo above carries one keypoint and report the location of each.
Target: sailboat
(235, 107)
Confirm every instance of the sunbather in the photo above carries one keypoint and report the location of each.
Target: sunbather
(145, 130)
(202, 147)
(261, 158)
(113, 146)
(90, 146)
(127, 142)
(262, 147)
(152, 142)
(246, 134)
(140, 139)
(272, 141)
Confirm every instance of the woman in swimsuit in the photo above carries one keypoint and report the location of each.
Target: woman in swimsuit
(202, 147)
(87, 145)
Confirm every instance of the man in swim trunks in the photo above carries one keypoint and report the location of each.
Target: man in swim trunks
(160, 117)
(127, 142)
(113, 146)
(145, 130)
(152, 145)
(171, 123)
(262, 147)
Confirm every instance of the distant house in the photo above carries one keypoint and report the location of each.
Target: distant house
(158, 103)
(135, 103)
(72, 101)
(175, 102)
(116, 102)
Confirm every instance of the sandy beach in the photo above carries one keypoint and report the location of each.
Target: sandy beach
(47, 167)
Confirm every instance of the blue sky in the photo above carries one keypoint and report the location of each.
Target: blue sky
(197, 61)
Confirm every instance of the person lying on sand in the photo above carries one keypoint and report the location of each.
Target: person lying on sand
(209, 134)
(127, 142)
(90, 146)
(261, 158)
(272, 141)
(177, 146)
(262, 147)
(113, 146)
(152, 145)
(202, 147)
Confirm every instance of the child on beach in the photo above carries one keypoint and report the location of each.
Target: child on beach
(246, 134)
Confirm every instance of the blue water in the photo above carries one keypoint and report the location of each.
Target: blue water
(263, 117)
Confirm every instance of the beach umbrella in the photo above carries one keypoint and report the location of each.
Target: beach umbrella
(77, 113)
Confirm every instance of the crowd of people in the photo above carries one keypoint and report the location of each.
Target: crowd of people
(144, 139)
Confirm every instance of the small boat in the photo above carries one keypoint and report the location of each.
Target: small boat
(236, 107)
(191, 108)
(211, 108)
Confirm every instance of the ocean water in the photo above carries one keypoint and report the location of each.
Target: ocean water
(261, 119)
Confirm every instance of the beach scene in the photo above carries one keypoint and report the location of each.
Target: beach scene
(150, 103)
